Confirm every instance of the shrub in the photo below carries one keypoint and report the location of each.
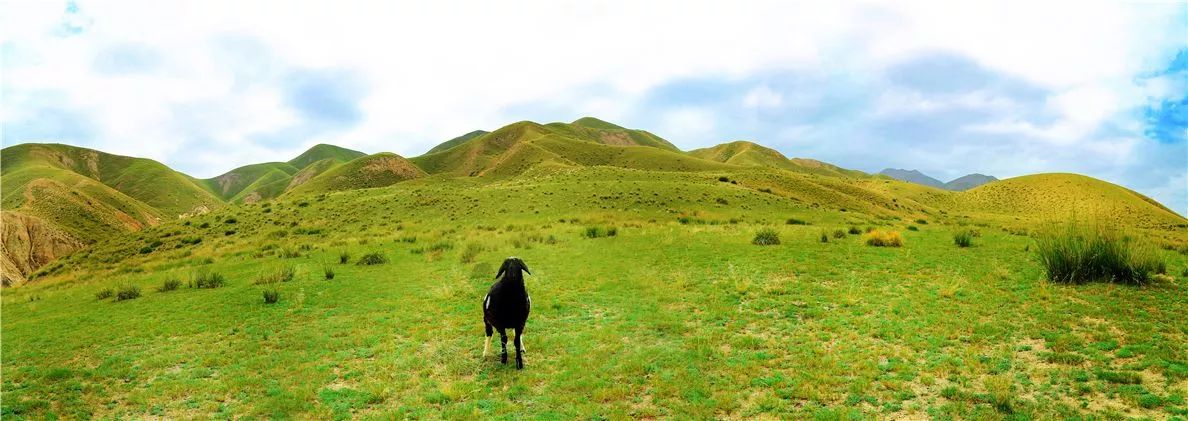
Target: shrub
(282, 274)
(963, 238)
(230, 221)
(104, 294)
(597, 231)
(722, 201)
(343, 257)
(326, 270)
(170, 285)
(884, 239)
(437, 247)
(824, 237)
(854, 230)
(839, 234)
(724, 179)
(372, 259)
(1078, 254)
(471, 252)
(127, 292)
(912, 228)
(922, 222)
(208, 280)
(271, 296)
(766, 237)
(794, 221)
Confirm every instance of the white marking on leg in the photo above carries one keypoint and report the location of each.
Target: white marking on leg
(487, 346)
(523, 348)
(487, 303)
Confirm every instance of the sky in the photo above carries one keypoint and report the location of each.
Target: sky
(999, 88)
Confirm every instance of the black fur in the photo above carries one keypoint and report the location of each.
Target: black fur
(507, 305)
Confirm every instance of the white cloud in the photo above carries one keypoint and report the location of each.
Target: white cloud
(434, 70)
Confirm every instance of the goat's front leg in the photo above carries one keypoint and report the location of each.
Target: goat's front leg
(519, 349)
(503, 341)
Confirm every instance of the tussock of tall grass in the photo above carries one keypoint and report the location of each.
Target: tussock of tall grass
(766, 237)
(963, 238)
(879, 238)
(1078, 253)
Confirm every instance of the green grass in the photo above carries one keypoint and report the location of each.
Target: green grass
(677, 316)
(1077, 253)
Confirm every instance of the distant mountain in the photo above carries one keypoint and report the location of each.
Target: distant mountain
(959, 184)
(969, 181)
(912, 176)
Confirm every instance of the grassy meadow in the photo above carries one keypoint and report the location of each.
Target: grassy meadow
(651, 300)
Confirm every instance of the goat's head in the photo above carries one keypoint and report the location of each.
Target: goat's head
(512, 267)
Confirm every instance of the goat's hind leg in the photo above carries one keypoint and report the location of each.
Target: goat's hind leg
(503, 342)
(519, 349)
(487, 344)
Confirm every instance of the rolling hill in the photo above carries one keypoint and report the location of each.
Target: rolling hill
(749, 154)
(379, 170)
(457, 141)
(256, 182)
(515, 148)
(60, 198)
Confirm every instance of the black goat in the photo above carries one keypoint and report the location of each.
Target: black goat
(506, 307)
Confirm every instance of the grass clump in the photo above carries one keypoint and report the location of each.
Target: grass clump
(824, 236)
(1079, 253)
(471, 252)
(328, 272)
(854, 230)
(878, 238)
(271, 296)
(343, 258)
(282, 274)
(104, 294)
(839, 234)
(372, 259)
(963, 238)
(599, 231)
(127, 292)
(766, 237)
(208, 280)
(795, 221)
(170, 285)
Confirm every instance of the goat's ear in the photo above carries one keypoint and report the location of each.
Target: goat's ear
(525, 266)
(502, 268)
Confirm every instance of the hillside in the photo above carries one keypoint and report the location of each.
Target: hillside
(517, 147)
(232, 183)
(1059, 196)
(457, 141)
(749, 154)
(145, 180)
(379, 170)
(323, 151)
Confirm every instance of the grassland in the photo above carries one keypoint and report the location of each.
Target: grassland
(676, 315)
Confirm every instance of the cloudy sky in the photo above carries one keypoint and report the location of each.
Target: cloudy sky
(999, 88)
